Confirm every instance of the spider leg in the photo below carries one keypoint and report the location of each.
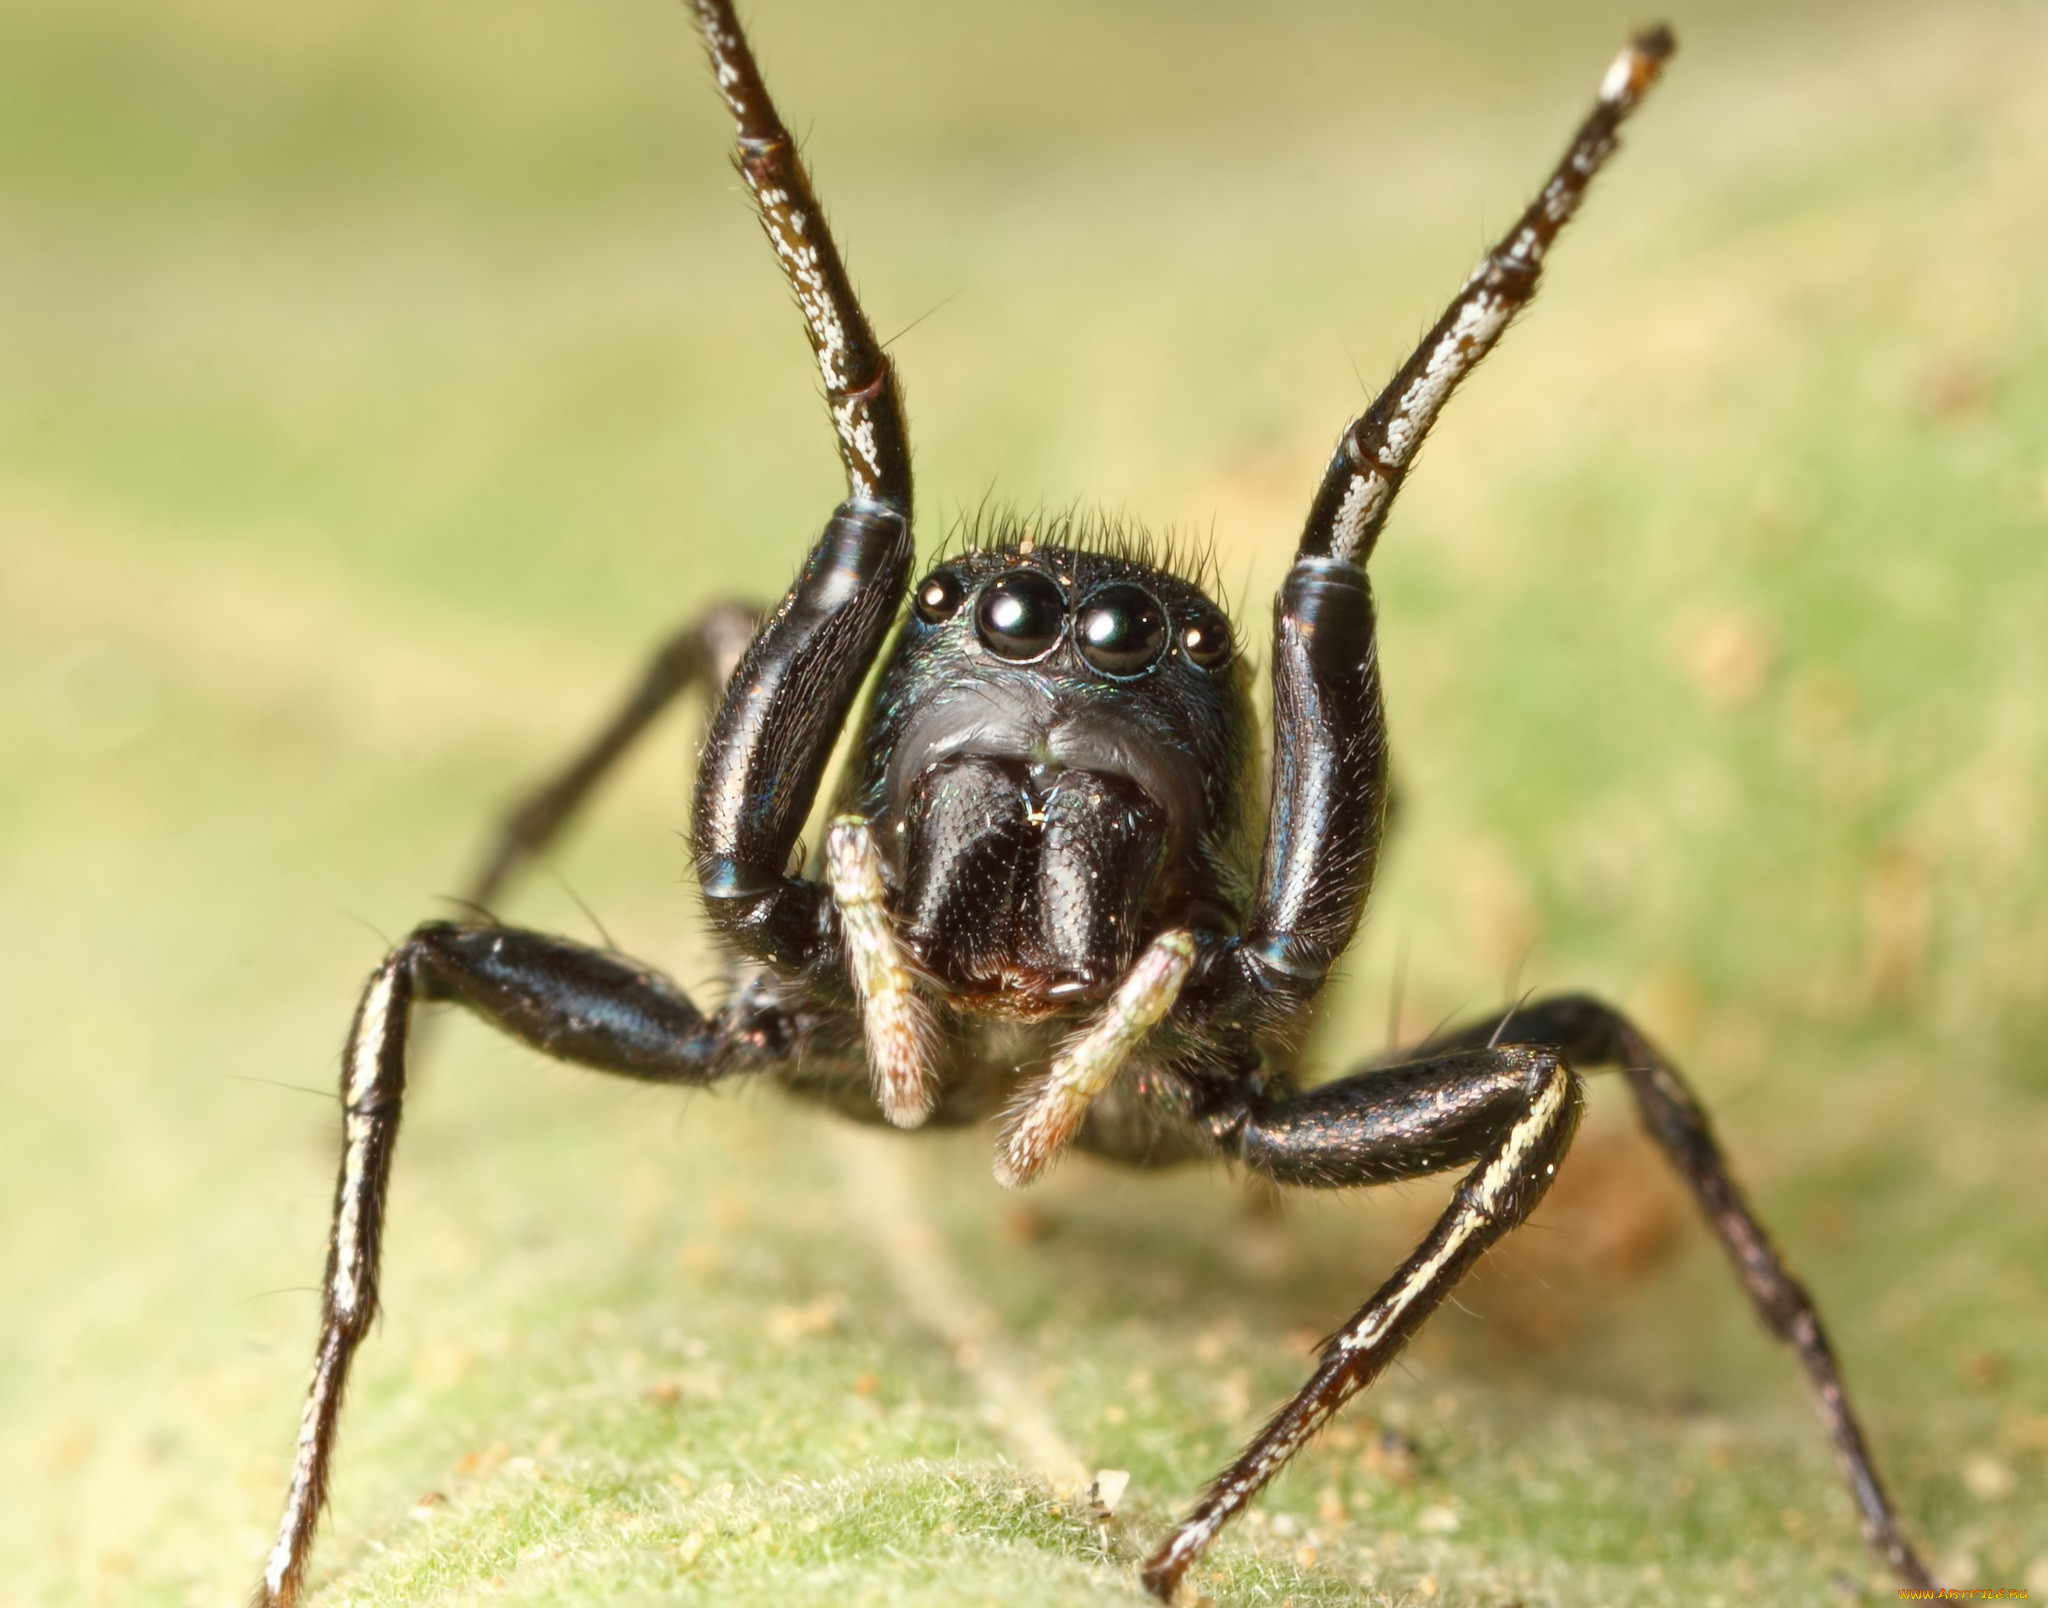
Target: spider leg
(1592, 1035)
(581, 1004)
(1328, 806)
(1374, 453)
(1511, 1110)
(783, 709)
(860, 383)
(702, 654)
(1329, 794)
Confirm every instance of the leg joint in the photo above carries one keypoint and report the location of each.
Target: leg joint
(433, 955)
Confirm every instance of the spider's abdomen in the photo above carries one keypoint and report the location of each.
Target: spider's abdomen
(1058, 762)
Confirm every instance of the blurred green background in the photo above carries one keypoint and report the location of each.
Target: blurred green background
(379, 380)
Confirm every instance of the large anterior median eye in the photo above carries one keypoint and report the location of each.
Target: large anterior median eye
(1020, 614)
(1121, 630)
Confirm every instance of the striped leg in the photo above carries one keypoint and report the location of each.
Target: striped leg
(580, 1004)
(794, 689)
(1597, 1035)
(1510, 1110)
(1326, 813)
(860, 383)
(1375, 452)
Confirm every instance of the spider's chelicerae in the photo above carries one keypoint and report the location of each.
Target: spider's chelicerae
(1047, 894)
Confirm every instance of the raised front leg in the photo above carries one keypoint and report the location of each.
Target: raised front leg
(774, 732)
(1375, 452)
(794, 689)
(1329, 736)
(860, 383)
(1329, 797)
(1591, 1035)
(1511, 1110)
(581, 1004)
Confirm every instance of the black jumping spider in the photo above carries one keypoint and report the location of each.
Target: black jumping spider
(1046, 894)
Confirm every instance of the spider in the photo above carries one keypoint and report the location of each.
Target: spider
(1049, 893)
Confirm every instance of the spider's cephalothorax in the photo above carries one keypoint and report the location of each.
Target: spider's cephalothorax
(1052, 887)
(1057, 764)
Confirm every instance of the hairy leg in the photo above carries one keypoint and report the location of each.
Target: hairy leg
(792, 692)
(581, 1004)
(1591, 1034)
(1329, 796)
(1375, 451)
(1509, 1110)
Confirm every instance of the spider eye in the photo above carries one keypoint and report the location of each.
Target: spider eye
(939, 596)
(1121, 630)
(1206, 640)
(1020, 615)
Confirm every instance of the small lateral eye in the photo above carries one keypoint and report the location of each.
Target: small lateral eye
(1021, 614)
(1121, 630)
(939, 596)
(1206, 640)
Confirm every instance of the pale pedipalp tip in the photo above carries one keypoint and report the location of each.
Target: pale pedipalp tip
(1020, 1153)
(908, 1111)
(267, 1595)
(1039, 1129)
(1006, 1171)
